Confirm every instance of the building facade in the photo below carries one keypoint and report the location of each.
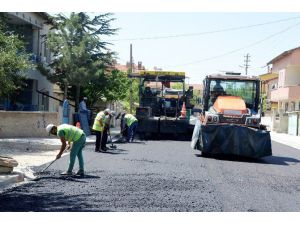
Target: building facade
(287, 93)
(269, 82)
(34, 27)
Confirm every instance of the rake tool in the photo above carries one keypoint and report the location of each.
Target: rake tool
(111, 142)
(43, 170)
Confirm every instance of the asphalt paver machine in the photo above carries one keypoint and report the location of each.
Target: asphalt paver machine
(160, 107)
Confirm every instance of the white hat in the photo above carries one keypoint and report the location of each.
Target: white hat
(107, 111)
(49, 127)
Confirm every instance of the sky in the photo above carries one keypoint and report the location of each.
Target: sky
(193, 36)
(213, 48)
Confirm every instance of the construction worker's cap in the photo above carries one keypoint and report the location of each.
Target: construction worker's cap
(107, 111)
(49, 127)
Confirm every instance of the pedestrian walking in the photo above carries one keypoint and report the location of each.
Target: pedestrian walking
(101, 126)
(83, 109)
(131, 123)
(76, 141)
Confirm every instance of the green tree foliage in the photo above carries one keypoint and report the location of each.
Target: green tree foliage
(117, 86)
(135, 94)
(264, 102)
(80, 55)
(177, 85)
(112, 86)
(13, 60)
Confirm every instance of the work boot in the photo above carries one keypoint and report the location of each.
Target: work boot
(104, 149)
(97, 150)
(66, 173)
(80, 173)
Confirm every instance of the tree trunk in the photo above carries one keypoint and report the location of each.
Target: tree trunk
(77, 97)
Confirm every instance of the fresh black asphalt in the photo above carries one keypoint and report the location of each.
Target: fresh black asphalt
(164, 176)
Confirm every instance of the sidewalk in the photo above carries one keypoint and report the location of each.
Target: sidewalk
(286, 139)
(32, 152)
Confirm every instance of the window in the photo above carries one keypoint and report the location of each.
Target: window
(292, 108)
(244, 89)
(286, 106)
(274, 86)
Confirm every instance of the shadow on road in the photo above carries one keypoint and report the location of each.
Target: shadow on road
(276, 160)
(25, 201)
(166, 137)
(66, 178)
(134, 142)
(280, 160)
(229, 158)
(116, 151)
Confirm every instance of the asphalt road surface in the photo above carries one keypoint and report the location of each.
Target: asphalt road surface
(164, 176)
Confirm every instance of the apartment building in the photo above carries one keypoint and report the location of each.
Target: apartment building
(34, 26)
(287, 93)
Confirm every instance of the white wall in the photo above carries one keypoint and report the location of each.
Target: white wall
(292, 76)
(281, 78)
(25, 124)
(44, 85)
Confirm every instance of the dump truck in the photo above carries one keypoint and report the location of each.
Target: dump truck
(230, 122)
(160, 107)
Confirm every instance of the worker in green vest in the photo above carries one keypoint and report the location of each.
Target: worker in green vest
(101, 127)
(131, 123)
(75, 137)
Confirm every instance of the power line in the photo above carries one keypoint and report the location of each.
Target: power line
(239, 49)
(204, 33)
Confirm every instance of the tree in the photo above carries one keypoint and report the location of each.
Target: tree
(80, 56)
(135, 94)
(117, 86)
(13, 60)
(111, 85)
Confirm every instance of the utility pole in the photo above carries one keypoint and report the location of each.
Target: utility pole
(246, 65)
(131, 70)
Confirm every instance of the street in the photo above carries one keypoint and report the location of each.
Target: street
(164, 176)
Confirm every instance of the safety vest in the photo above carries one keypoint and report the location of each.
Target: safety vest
(129, 119)
(72, 133)
(97, 125)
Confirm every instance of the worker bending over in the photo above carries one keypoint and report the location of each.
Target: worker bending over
(131, 123)
(75, 136)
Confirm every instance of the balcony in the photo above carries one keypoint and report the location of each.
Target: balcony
(290, 93)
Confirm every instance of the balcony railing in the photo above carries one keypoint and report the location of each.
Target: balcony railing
(286, 94)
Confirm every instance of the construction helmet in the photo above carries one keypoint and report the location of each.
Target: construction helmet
(107, 111)
(49, 127)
